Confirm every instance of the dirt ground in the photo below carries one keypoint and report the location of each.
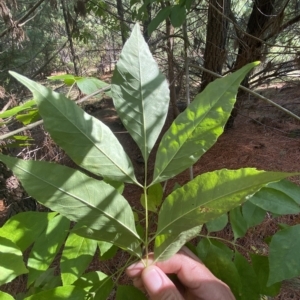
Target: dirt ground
(263, 137)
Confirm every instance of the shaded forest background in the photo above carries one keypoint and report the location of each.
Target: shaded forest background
(85, 37)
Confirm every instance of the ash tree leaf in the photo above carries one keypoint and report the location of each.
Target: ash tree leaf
(252, 214)
(17, 109)
(46, 247)
(159, 18)
(154, 197)
(68, 79)
(60, 293)
(77, 254)
(29, 117)
(126, 292)
(196, 129)
(80, 198)
(24, 228)
(221, 265)
(96, 282)
(238, 223)
(88, 141)
(284, 256)
(140, 92)
(89, 85)
(249, 281)
(107, 250)
(205, 198)
(280, 198)
(178, 15)
(11, 258)
(217, 224)
(5, 296)
(261, 267)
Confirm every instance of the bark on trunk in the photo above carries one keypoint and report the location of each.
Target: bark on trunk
(216, 35)
(250, 49)
(120, 10)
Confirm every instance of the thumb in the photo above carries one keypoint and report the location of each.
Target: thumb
(158, 285)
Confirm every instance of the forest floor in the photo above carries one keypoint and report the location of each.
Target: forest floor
(262, 137)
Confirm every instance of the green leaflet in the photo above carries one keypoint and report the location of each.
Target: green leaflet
(77, 254)
(261, 267)
(154, 197)
(107, 250)
(279, 198)
(80, 198)
(238, 223)
(196, 129)
(46, 247)
(96, 282)
(252, 214)
(5, 296)
(218, 258)
(17, 109)
(60, 293)
(217, 224)
(203, 199)
(125, 292)
(250, 288)
(284, 258)
(24, 228)
(89, 85)
(178, 15)
(11, 258)
(140, 92)
(88, 141)
(159, 18)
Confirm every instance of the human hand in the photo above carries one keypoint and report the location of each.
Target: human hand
(196, 281)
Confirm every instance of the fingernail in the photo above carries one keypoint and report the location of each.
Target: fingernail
(152, 279)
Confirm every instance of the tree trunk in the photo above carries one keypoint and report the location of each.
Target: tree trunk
(69, 34)
(216, 35)
(146, 23)
(120, 10)
(250, 49)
